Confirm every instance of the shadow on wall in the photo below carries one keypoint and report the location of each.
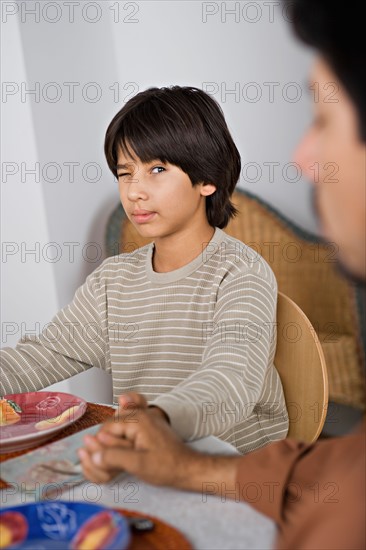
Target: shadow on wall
(96, 237)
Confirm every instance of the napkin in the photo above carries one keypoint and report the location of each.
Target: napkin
(26, 474)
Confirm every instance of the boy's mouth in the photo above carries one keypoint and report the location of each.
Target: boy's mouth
(142, 216)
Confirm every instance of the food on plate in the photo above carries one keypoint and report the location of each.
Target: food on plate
(13, 528)
(96, 533)
(9, 412)
(6, 536)
(94, 539)
(57, 420)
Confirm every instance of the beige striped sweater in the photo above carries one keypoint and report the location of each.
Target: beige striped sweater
(199, 341)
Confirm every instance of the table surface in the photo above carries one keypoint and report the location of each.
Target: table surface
(208, 522)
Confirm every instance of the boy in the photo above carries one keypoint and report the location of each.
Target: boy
(188, 320)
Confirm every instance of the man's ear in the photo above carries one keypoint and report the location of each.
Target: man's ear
(207, 189)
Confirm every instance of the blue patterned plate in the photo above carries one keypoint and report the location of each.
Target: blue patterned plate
(63, 525)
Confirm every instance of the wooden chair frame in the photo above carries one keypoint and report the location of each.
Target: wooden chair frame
(301, 365)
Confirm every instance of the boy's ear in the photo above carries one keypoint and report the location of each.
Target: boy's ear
(207, 189)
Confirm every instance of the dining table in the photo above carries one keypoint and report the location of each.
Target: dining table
(183, 520)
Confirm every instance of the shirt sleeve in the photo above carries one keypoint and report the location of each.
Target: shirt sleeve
(72, 342)
(315, 493)
(264, 474)
(239, 349)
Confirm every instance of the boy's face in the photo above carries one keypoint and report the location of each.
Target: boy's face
(159, 198)
(332, 155)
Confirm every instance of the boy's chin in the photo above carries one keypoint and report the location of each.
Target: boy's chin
(144, 230)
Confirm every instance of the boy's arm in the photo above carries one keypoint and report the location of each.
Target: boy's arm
(240, 346)
(72, 342)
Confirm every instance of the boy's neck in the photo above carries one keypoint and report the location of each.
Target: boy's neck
(174, 252)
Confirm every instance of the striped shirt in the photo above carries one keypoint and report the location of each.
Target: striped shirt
(198, 342)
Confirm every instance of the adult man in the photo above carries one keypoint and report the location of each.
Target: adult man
(315, 493)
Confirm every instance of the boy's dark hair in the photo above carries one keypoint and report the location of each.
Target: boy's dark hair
(185, 127)
(337, 32)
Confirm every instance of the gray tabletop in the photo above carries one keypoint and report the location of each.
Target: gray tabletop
(208, 521)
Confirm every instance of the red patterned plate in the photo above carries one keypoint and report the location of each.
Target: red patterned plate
(41, 415)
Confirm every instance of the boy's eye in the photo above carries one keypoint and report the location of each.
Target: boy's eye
(123, 175)
(157, 169)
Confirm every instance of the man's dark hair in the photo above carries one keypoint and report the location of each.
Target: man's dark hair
(336, 30)
(185, 127)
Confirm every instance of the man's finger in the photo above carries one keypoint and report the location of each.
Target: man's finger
(127, 414)
(94, 473)
(132, 400)
(127, 423)
(90, 470)
(121, 459)
(91, 443)
(114, 428)
(112, 440)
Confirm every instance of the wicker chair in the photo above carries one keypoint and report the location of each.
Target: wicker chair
(306, 271)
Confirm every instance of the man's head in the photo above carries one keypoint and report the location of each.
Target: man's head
(185, 127)
(333, 151)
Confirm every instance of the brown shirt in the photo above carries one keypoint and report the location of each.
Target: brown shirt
(315, 493)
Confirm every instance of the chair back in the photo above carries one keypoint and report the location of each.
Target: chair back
(300, 363)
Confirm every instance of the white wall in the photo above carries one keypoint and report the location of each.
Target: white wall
(28, 289)
(128, 47)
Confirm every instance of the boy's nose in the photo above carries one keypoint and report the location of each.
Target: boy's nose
(136, 190)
